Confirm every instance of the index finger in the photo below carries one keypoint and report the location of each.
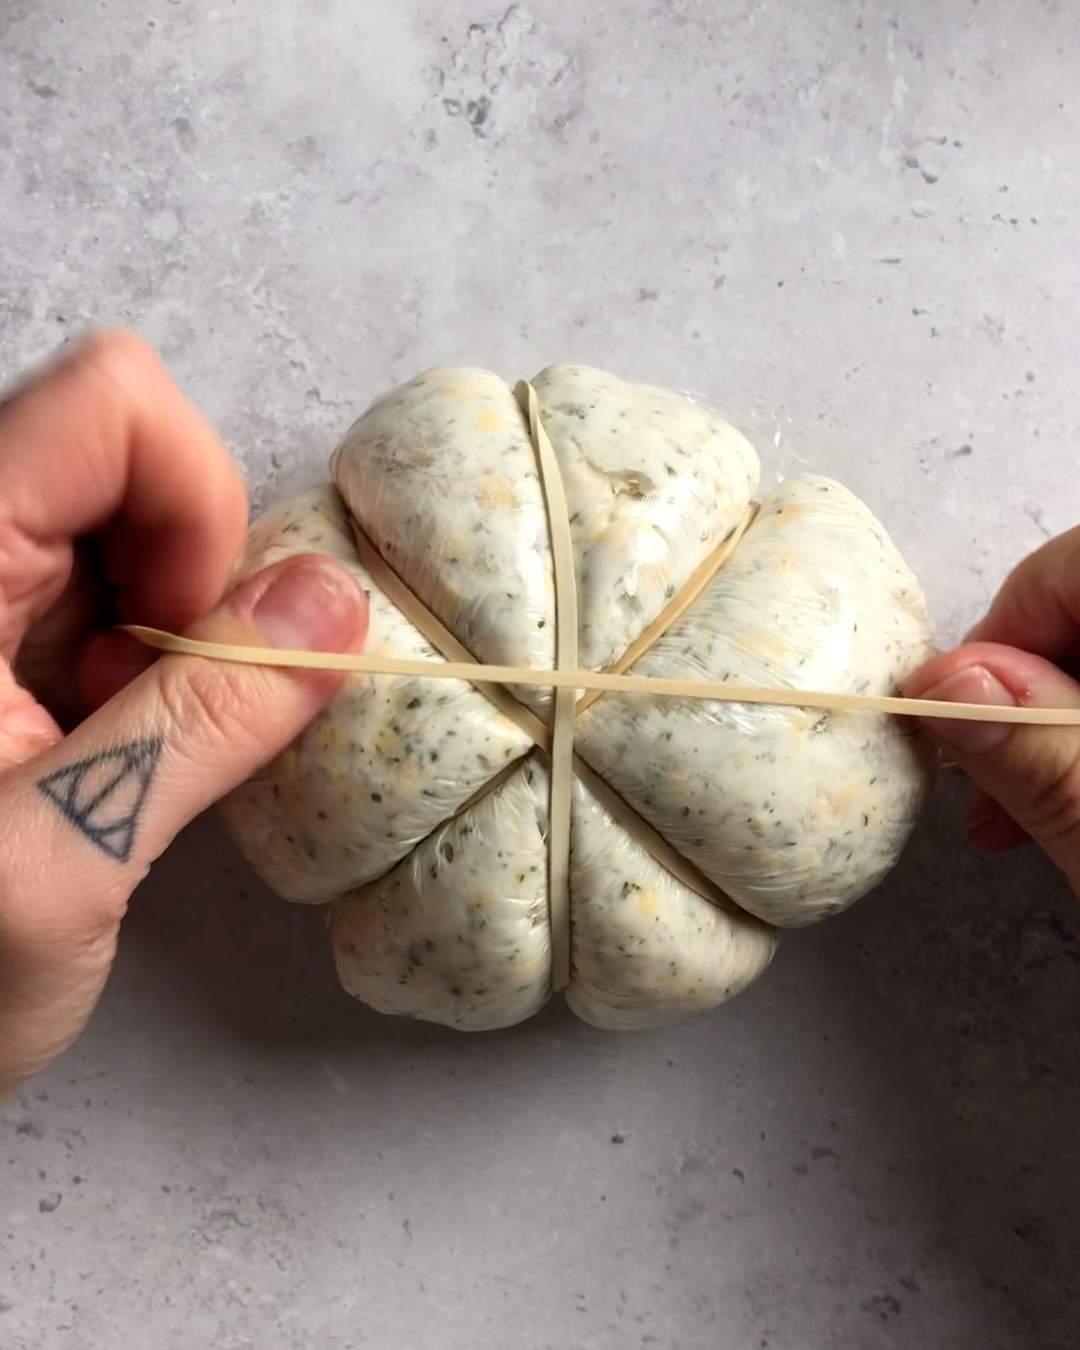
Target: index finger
(1038, 607)
(104, 442)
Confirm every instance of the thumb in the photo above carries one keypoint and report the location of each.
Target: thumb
(81, 822)
(102, 804)
(1033, 773)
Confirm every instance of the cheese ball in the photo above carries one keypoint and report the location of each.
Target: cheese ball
(417, 809)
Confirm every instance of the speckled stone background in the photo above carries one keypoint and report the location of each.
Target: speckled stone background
(855, 225)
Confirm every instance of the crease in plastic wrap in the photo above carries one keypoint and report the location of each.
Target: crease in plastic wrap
(419, 812)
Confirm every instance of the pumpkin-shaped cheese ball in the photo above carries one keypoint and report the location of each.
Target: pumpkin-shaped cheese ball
(418, 808)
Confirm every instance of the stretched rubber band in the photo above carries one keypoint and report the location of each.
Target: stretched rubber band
(676, 608)
(458, 658)
(568, 682)
(711, 690)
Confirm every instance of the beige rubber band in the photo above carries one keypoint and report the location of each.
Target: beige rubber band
(673, 612)
(437, 633)
(565, 764)
(460, 660)
(715, 691)
(557, 740)
(566, 658)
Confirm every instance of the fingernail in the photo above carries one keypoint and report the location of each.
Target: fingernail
(309, 604)
(973, 684)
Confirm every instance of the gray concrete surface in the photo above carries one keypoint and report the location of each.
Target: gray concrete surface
(861, 218)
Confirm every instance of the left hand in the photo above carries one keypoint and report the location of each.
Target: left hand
(118, 502)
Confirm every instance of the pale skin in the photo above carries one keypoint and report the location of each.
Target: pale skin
(119, 503)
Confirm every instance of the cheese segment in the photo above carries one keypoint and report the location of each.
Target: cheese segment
(419, 812)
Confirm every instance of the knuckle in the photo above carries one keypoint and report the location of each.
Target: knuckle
(209, 703)
(1054, 815)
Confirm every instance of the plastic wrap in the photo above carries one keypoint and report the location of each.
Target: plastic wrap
(384, 765)
(420, 811)
(793, 813)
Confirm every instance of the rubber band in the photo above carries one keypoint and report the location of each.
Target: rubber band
(709, 690)
(568, 682)
(436, 632)
(566, 658)
(460, 661)
(675, 609)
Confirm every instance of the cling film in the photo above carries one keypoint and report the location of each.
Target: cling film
(418, 810)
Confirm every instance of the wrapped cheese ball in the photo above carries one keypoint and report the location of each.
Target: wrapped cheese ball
(418, 808)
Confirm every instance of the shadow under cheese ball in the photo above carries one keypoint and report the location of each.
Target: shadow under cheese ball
(419, 810)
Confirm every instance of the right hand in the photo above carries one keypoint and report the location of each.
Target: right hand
(1028, 777)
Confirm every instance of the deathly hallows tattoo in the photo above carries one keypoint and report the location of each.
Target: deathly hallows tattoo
(104, 794)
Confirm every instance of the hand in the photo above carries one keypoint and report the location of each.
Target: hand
(1028, 777)
(118, 502)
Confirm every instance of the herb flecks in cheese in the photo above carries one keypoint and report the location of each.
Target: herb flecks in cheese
(793, 813)
(458, 932)
(441, 475)
(423, 813)
(654, 483)
(646, 948)
(384, 764)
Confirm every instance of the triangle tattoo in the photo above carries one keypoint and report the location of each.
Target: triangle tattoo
(103, 794)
